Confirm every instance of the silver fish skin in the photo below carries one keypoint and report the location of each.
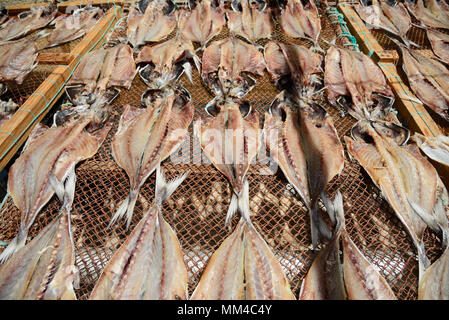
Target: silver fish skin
(150, 263)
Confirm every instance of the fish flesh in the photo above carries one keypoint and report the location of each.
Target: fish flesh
(250, 19)
(407, 180)
(434, 284)
(150, 264)
(146, 137)
(167, 61)
(429, 80)
(392, 18)
(295, 64)
(230, 139)
(228, 67)
(202, 23)
(440, 44)
(103, 68)
(27, 22)
(436, 148)
(300, 20)
(303, 141)
(246, 266)
(434, 15)
(56, 150)
(324, 280)
(353, 75)
(150, 21)
(45, 268)
(17, 59)
(74, 26)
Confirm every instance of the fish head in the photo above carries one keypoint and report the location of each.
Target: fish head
(392, 131)
(362, 131)
(214, 106)
(151, 96)
(77, 95)
(146, 74)
(279, 107)
(313, 111)
(3, 10)
(3, 88)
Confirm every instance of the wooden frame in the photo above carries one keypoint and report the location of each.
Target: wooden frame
(62, 6)
(16, 130)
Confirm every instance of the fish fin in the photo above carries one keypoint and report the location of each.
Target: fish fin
(233, 207)
(188, 71)
(241, 204)
(318, 226)
(164, 188)
(334, 209)
(15, 244)
(124, 208)
(57, 186)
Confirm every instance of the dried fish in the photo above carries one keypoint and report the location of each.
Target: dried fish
(56, 150)
(7, 109)
(146, 137)
(228, 67)
(230, 139)
(440, 44)
(27, 22)
(250, 19)
(246, 266)
(150, 264)
(434, 284)
(434, 15)
(45, 267)
(436, 148)
(17, 59)
(203, 23)
(150, 21)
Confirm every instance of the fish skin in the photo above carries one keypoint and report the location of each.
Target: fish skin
(45, 267)
(17, 59)
(426, 77)
(436, 148)
(434, 284)
(150, 264)
(203, 23)
(225, 64)
(74, 26)
(299, 21)
(57, 150)
(426, 15)
(151, 26)
(35, 19)
(145, 138)
(246, 266)
(399, 16)
(440, 44)
(251, 23)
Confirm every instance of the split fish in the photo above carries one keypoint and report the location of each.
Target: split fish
(17, 59)
(440, 44)
(429, 80)
(353, 75)
(243, 267)
(300, 20)
(305, 144)
(74, 26)
(434, 15)
(27, 22)
(167, 61)
(45, 268)
(56, 149)
(149, 265)
(146, 137)
(293, 64)
(250, 19)
(436, 148)
(202, 23)
(407, 180)
(150, 21)
(230, 138)
(229, 65)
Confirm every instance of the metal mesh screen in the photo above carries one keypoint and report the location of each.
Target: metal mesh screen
(197, 209)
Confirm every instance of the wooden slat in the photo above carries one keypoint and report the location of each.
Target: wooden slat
(54, 58)
(367, 42)
(23, 121)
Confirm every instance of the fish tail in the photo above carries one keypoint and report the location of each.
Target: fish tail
(319, 228)
(164, 188)
(239, 203)
(127, 207)
(15, 244)
(423, 261)
(335, 210)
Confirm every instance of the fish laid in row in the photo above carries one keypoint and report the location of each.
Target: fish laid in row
(17, 59)
(51, 152)
(203, 22)
(303, 141)
(229, 67)
(407, 180)
(27, 22)
(243, 267)
(354, 81)
(147, 136)
(250, 20)
(434, 13)
(45, 268)
(74, 26)
(355, 279)
(149, 265)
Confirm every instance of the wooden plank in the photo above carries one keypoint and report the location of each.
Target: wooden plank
(54, 58)
(367, 42)
(16, 130)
